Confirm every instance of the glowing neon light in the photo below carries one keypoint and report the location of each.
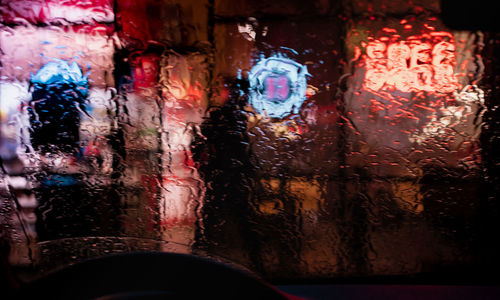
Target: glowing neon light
(412, 65)
(277, 86)
(60, 72)
(412, 85)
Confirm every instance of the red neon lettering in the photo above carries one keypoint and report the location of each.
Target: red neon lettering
(411, 65)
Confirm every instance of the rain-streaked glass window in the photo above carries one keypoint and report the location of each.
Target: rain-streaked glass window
(302, 140)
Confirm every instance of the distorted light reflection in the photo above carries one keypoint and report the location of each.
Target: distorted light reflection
(54, 11)
(451, 116)
(58, 97)
(12, 96)
(421, 78)
(423, 63)
(45, 97)
(182, 91)
(145, 72)
(60, 72)
(278, 86)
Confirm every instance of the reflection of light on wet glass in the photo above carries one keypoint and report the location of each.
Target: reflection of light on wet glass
(28, 49)
(49, 10)
(468, 100)
(417, 64)
(18, 214)
(96, 125)
(182, 84)
(58, 98)
(145, 73)
(278, 86)
(51, 55)
(12, 122)
(247, 31)
(412, 86)
(290, 129)
(12, 94)
(60, 72)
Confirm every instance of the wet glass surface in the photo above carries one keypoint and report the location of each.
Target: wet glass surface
(331, 140)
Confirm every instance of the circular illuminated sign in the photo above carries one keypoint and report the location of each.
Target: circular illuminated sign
(277, 86)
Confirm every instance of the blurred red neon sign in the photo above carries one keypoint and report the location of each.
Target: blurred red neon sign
(411, 65)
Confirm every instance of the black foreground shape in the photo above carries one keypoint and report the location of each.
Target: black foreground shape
(150, 276)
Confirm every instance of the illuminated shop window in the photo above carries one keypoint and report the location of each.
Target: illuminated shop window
(277, 86)
(415, 75)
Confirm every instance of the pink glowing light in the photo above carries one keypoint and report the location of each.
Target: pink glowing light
(56, 11)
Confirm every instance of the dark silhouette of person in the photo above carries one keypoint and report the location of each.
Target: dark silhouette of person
(225, 227)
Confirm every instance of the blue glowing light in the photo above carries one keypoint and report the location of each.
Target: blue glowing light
(59, 180)
(277, 86)
(56, 72)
